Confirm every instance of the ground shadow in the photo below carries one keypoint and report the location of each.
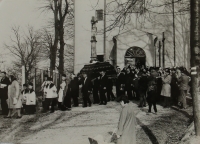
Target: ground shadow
(148, 132)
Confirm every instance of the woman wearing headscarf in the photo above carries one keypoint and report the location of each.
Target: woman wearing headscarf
(126, 132)
(14, 97)
(166, 88)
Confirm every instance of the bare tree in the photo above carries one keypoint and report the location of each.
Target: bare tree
(63, 22)
(26, 49)
(121, 12)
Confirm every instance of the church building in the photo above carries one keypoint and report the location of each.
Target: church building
(149, 45)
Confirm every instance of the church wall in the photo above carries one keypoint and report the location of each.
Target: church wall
(139, 39)
(84, 10)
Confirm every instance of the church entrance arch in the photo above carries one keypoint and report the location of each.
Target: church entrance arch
(135, 56)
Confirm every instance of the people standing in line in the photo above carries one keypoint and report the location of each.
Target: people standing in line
(24, 98)
(110, 95)
(51, 95)
(86, 90)
(95, 90)
(74, 89)
(129, 83)
(14, 98)
(30, 100)
(126, 131)
(142, 88)
(120, 81)
(62, 93)
(152, 91)
(103, 81)
(183, 80)
(4, 93)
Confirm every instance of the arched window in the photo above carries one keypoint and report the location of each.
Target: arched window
(135, 52)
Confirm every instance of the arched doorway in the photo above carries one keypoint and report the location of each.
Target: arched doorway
(135, 56)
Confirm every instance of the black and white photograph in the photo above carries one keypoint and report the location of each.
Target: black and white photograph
(99, 71)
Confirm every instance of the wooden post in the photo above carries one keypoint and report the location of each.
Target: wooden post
(104, 33)
(155, 55)
(195, 61)
(163, 43)
(159, 54)
(174, 34)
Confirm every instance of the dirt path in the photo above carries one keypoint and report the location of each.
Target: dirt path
(74, 127)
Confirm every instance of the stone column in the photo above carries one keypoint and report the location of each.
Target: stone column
(93, 39)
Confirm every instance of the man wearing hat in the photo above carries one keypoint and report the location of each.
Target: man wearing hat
(119, 82)
(86, 90)
(74, 89)
(4, 93)
(103, 87)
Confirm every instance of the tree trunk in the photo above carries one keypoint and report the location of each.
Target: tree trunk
(53, 58)
(61, 51)
(55, 45)
(195, 61)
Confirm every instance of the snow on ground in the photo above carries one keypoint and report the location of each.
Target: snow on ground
(74, 127)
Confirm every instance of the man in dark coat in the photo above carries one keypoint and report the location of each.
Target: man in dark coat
(129, 83)
(4, 93)
(74, 89)
(120, 81)
(142, 88)
(102, 87)
(152, 91)
(86, 90)
(95, 91)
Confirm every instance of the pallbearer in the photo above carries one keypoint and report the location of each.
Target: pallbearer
(74, 89)
(119, 82)
(102, 87)
(86, 90)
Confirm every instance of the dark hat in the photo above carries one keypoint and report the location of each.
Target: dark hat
(3, 72)
(25, 85)
(30, 83)
(167, 70)
(48, 79)
(64, 75)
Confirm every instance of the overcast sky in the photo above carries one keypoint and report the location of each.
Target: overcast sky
(18, 13)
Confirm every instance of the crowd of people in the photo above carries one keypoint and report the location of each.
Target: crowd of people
(145, 84)
(152, 85)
